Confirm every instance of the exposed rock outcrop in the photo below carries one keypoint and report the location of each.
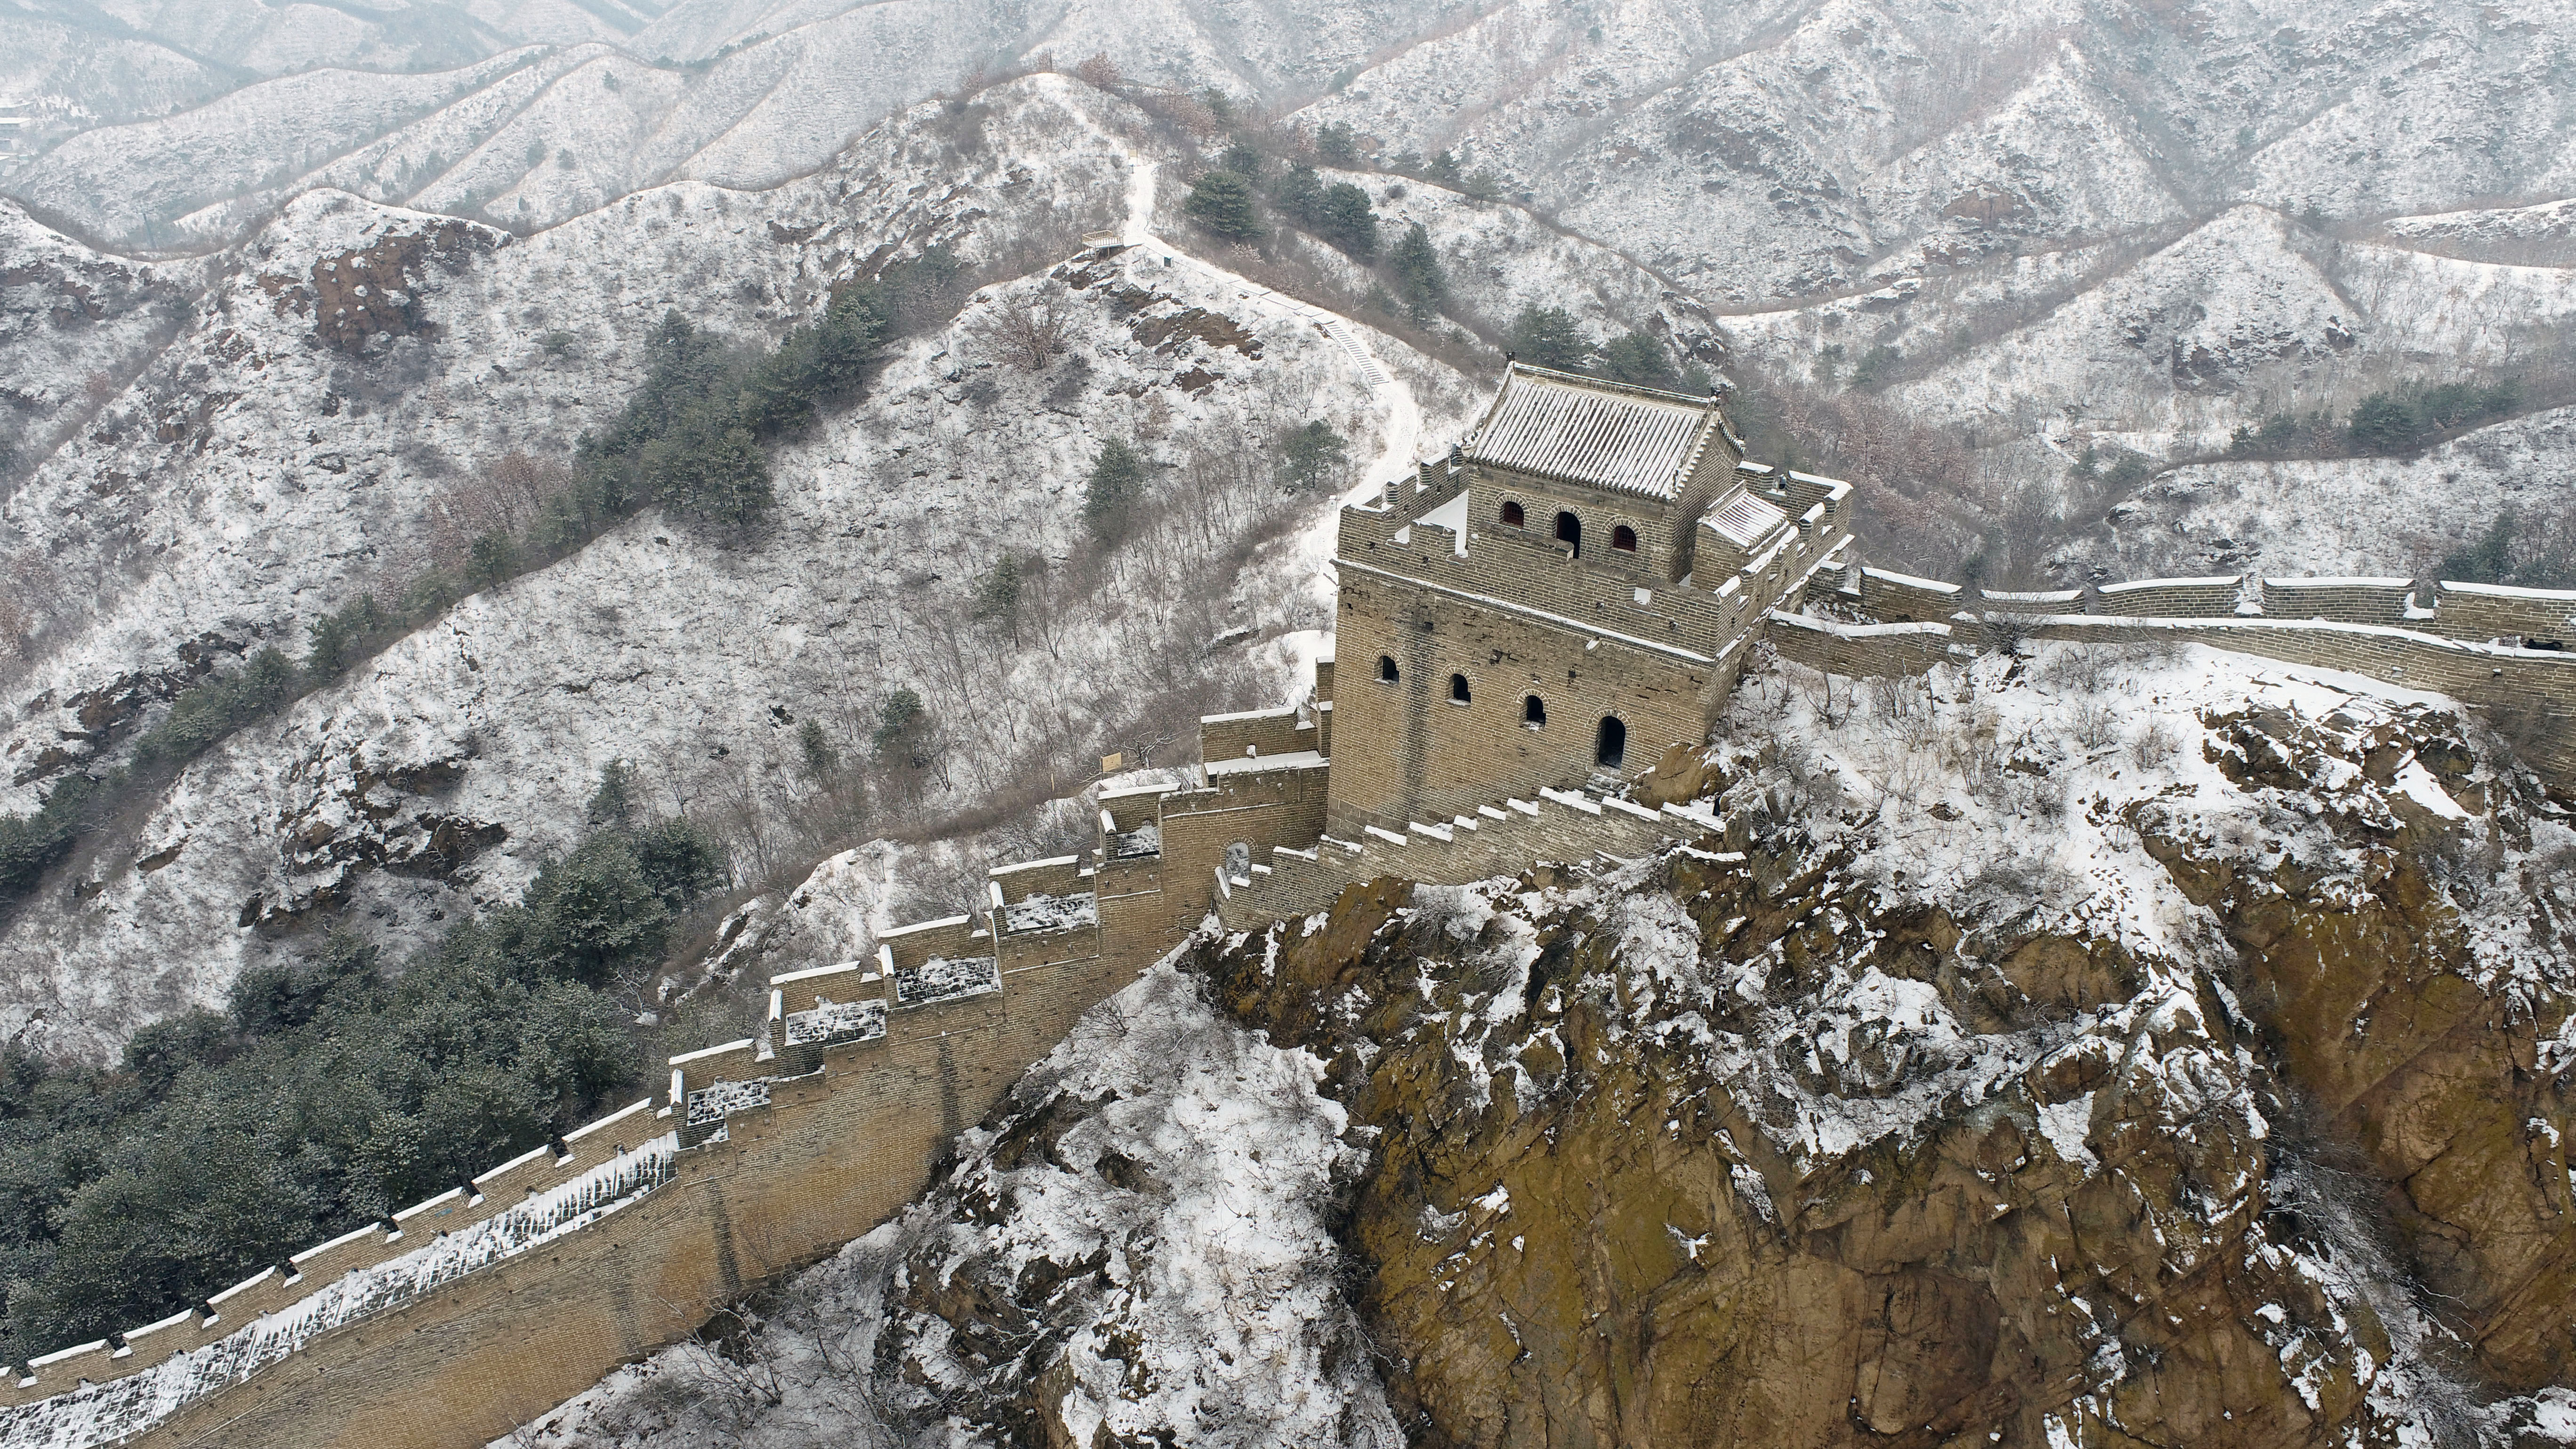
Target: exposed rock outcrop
(2244, 1131)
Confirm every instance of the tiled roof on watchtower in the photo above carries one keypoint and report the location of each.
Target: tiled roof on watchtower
(1602, 434)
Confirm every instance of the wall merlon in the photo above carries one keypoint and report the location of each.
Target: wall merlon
(796, 991)
(1054, 876)
(612, 1136)
(1262, 732)
(261, 1293)
(70, 1367)
(317, 1267)
(155, 1342)
(950, 937)
(2044, 601)
(2213, 597)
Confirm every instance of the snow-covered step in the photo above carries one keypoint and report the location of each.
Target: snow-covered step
(1567, 826)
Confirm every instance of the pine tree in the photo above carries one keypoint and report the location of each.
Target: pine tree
(1342, 217)
(1222, 202)
(1548, 337)
(1301, 194)
(1312, 456)
(1640, 361)
(997, 597)
(1419, 278)
(821, 760)
(900, 724)
(1117, 481)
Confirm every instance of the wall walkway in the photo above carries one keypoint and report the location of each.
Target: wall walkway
(1565, 827)
(2504, 650)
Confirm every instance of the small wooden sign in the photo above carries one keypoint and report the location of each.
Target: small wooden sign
(1112, 764)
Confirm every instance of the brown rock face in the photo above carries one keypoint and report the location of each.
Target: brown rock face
(374, 291)
(1734, 1149)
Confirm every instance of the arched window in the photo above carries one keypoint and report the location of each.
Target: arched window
(1512, 514)
(1457, 689)
(1569, 531)
(1612, 751)
(1386, 669)
(1624, 539)
(1533, 711)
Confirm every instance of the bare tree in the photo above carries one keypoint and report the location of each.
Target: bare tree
(1100, 72)
(1025, 329)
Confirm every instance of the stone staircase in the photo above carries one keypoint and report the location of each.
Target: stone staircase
(1340, 332)
(1563, 827)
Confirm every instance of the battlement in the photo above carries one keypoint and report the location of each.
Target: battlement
(2497, 648)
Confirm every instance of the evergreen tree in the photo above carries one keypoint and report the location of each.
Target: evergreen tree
(1342, 217)
(997, 597)
(1301, 194)
(1116, 484)
(1640, 361)
(1222, 202)
(1241, 159)
(1548, 337)
(1419, 278)
(1312, 456)
(900, 724)
(822, 762)
(2386, 423)
(613, 804)
(1338, 144)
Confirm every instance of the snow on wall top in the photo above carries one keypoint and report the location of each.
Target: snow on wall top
(96, 1414)
(1627, 439)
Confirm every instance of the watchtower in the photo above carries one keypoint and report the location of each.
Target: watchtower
(1569, 593)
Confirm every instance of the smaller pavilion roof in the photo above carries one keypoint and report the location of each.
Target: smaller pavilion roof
(1744, 520)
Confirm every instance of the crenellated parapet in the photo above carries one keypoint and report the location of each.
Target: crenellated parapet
(2503, 649)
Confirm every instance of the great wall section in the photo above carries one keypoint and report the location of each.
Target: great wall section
(1513, 692)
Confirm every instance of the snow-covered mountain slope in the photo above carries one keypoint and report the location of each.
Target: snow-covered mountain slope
(531, 121)
(296, 475)
(2398, 517)
(75, 325)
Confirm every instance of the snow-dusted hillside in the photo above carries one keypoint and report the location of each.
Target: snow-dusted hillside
(295, 475)
(2032, 232)
(536, 113)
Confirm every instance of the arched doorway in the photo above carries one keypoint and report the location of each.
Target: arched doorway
(1458, 689)
(1534, 712)
(1386, 668)
(1569, 531)
(1612, 750)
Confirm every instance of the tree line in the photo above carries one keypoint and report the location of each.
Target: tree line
(331, 1090)
(2400, 420)
(691, 440)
